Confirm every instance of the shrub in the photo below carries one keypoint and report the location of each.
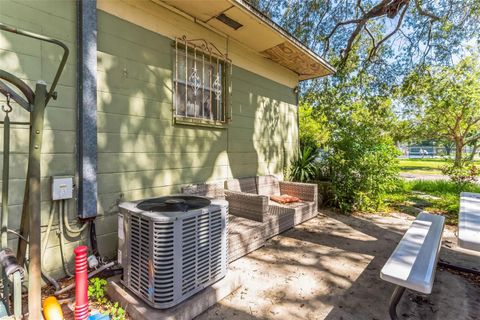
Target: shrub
(463, 174)
(313, 130)
(364, 168)
(303, 167)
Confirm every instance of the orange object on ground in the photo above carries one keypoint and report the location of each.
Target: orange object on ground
(284, 198)
(52, 309)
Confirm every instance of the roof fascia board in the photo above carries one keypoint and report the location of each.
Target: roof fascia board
(241, 4)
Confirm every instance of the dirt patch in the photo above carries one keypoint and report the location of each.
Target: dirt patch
(328, 268)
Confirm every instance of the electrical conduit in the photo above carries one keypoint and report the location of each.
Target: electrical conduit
(44, 248)
(65, 220)
(62, 244)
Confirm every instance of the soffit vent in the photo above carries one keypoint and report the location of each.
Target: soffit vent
(229, 21)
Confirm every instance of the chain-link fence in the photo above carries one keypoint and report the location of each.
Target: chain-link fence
(429, 151)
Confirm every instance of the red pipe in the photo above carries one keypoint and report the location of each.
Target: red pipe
(81, 279)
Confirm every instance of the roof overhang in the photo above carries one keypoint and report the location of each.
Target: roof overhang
(257, 32)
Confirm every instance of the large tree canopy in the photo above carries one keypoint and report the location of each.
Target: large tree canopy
(445, 103)
(390, 36)
(376, 46)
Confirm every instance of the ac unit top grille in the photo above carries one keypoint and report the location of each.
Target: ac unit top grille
(179, 203)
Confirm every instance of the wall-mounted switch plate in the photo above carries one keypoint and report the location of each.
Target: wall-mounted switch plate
(62, 188)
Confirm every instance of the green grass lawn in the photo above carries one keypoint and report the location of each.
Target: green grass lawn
(422, 166)
(436, 196)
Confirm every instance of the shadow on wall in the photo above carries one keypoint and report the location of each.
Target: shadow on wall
(32, 60)
(262, 134)
(141, 153)
(272, 139)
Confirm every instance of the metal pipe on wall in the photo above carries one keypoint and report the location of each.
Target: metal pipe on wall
(5, 181)
(62, 241)
(87, 108)
(35, 149)
(5, 178)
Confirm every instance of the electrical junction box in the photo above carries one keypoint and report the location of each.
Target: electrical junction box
(62, 188)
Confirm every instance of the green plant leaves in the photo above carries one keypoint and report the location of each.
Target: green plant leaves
(303, 167)
(96, 293)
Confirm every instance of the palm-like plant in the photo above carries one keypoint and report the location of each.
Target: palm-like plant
(303, 166)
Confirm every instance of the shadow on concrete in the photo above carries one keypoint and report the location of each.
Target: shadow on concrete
(328, 268)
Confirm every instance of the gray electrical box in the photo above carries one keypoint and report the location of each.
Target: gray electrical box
(62, 188)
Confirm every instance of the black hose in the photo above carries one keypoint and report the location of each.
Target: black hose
(93, 239)
(447, 265)
(107, 273)
(91, 274)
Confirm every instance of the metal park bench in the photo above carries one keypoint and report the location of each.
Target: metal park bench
(413, 263)
(469, 221)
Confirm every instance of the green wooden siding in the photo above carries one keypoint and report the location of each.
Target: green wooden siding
(31, 61)
(141, 153)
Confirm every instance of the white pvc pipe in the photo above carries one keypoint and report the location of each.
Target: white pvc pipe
(67, 225)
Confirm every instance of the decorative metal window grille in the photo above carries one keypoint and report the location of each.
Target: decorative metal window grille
(201, 83)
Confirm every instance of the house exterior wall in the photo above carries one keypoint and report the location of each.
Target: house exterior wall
(31, 60)
(141, 152)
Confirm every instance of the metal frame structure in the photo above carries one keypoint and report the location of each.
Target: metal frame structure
(220, 87)
(394, 300)
(35, 103)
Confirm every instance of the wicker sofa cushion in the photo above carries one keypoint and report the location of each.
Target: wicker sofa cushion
(268, 185)
(244, 236)
(211, 190)
(279, 208)
(247, 185)
(286, 216)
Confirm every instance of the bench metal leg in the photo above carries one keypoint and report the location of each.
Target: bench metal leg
(396, 296)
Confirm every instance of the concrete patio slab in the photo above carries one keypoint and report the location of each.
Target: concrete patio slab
(328, 268)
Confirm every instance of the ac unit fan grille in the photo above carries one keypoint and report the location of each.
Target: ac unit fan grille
(161, 291)
(201, 250)
(163, 255)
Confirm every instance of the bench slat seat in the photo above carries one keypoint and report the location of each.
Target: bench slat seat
(413, 263)
(469, 221)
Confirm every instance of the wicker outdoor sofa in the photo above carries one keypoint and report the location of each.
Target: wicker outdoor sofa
(253, 217)
(249, 198)
(244, 235)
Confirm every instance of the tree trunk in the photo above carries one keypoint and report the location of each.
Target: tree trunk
(474, 151)
(458, 151)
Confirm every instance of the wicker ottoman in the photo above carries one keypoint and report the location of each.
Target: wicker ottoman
(244, 236)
